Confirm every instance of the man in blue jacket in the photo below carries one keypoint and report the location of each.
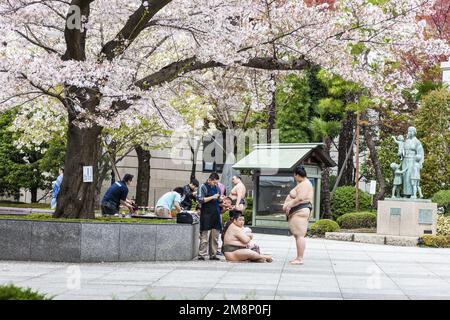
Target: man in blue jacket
(116, 196)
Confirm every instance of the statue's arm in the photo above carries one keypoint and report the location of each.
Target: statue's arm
(420, 152)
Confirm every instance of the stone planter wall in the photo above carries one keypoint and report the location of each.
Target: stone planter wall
(96, 242)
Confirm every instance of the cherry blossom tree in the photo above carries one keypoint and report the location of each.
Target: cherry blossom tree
(109, 62)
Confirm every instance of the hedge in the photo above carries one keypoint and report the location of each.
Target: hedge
(442, 198)
(443, 226)
(343, 201)
(357, 220)
(435, 241)
(322, 226)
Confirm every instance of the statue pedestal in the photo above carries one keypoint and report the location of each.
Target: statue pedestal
(406, 217)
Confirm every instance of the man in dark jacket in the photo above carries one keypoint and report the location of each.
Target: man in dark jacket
(116, 196)
(190, 194)
(210, 224)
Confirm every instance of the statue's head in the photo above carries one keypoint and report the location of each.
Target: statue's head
(400, 138)
(412, 132)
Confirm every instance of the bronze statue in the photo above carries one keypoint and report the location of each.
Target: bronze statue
(411, 156)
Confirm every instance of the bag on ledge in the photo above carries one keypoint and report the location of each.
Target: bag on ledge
(185, 217)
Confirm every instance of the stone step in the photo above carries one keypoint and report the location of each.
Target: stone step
(373, 238)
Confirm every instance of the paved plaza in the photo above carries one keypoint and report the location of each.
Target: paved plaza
(332, 270)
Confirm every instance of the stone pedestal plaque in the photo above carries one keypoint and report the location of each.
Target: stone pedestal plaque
(406, 217)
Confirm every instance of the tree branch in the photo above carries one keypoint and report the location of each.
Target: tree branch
(132, 28)
(39, 44)
(181, 67)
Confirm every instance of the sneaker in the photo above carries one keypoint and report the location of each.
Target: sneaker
(219, 253)
(201, 258)
(214, 258)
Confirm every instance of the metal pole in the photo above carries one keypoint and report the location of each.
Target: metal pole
(357, 161)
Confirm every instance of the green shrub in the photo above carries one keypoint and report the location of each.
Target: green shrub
(324, 225)
(433, 123)
(248, 213)
(443, 226)
(357, 220)
(225, 217)
(436, 241)
(248, 216)
(249, 202)
(11, 292)
(442, 198)
(344, 201)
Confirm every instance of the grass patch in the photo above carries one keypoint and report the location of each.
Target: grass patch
(11, 292)
(48, 217)
(12, 204)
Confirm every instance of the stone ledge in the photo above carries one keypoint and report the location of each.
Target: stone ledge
(339, 236)
(58, 241)
(369, 238)
(404, 241)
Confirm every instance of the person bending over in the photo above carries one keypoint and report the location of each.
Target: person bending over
(169, 201)
(116, 196)
(235, 241)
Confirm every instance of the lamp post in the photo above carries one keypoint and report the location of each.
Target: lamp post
(357, 161)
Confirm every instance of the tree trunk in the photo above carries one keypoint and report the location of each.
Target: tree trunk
(368, 136)
(194, 153)
(143, 179)
(345, 142)
(104, 166)
(326, 195)
(33, 192)
(271, 120)
(77, 198)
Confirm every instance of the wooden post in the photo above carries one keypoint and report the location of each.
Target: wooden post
(357, 161)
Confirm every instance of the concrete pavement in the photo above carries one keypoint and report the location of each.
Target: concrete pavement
(332, 270)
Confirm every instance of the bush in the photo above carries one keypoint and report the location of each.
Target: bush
(442, 198)
(248, 216)
(11, 292)
(324, 225)
(356, 220)
(344, 201)
(435, 241)
(432, 123)
(443, 226)
(225, 217)
(249, 203)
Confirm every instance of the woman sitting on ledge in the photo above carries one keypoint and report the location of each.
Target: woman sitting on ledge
(235, 241)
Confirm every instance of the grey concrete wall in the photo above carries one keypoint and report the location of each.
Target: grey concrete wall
(26, 240)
